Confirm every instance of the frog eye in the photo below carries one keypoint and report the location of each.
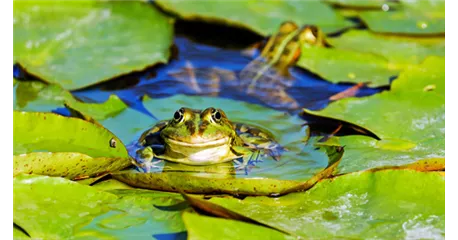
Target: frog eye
(314, 31)
(178, 116)
(216, 115)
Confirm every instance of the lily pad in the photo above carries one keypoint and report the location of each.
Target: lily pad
(19, 234)
(357, 205)
(200, 183)
(397, 49)
(339, 65)
(138, 214)
(380, 4)
(54, 133)
(52, 208)
(410, 120)
(203, 227)
(78, 44)
(416, 18)
(39, 96)
(71, 165)
(262, 17)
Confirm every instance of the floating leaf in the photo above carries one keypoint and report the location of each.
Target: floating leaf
(52, 208)
(99, 111)
(410, 120)
(216, 210)
(19, 234)
(417, 17)
(77, 44)
(202, 227)
(357, 205)
(71, 165)
(190, 182)
(339, 65)
(380, 4)
(54, 133)
(39, 96)
(262, 17)
(111, 184)
(424, 165)
(397, 49)
(138, 214)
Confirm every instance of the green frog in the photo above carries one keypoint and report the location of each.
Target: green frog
(204, 137)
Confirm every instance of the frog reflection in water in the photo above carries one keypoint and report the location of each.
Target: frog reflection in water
(196, 137)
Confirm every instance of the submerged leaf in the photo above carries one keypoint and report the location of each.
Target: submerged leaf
(80, 43)
(262, 17)
(409, 119)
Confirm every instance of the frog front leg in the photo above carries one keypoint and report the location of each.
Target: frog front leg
(145, 159)
(145, 155)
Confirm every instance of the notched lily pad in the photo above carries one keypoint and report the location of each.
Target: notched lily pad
(334, 127)
(357, 205)
(262, 17)
(80, 43)
(203, 227)
(218, 211)
(189, 182)
(54, 133)
(410, 120)
(71, 165)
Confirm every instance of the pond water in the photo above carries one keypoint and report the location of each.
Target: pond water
(156, 93)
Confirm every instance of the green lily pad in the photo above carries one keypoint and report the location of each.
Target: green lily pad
(397, 49)
(357, 205)
(138, 214)
(52, 208)
(202, 184)
(209, 208)
(42, 97)
(71, 165)
(78, 44)
(364, 4)
(262, 17)
(111, 184)
(339, 65)
(54, 133)
(202, 227)
(416, 18)
(19, 234)
(410, 120)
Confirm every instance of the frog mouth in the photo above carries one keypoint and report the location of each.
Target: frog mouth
(217, 142)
